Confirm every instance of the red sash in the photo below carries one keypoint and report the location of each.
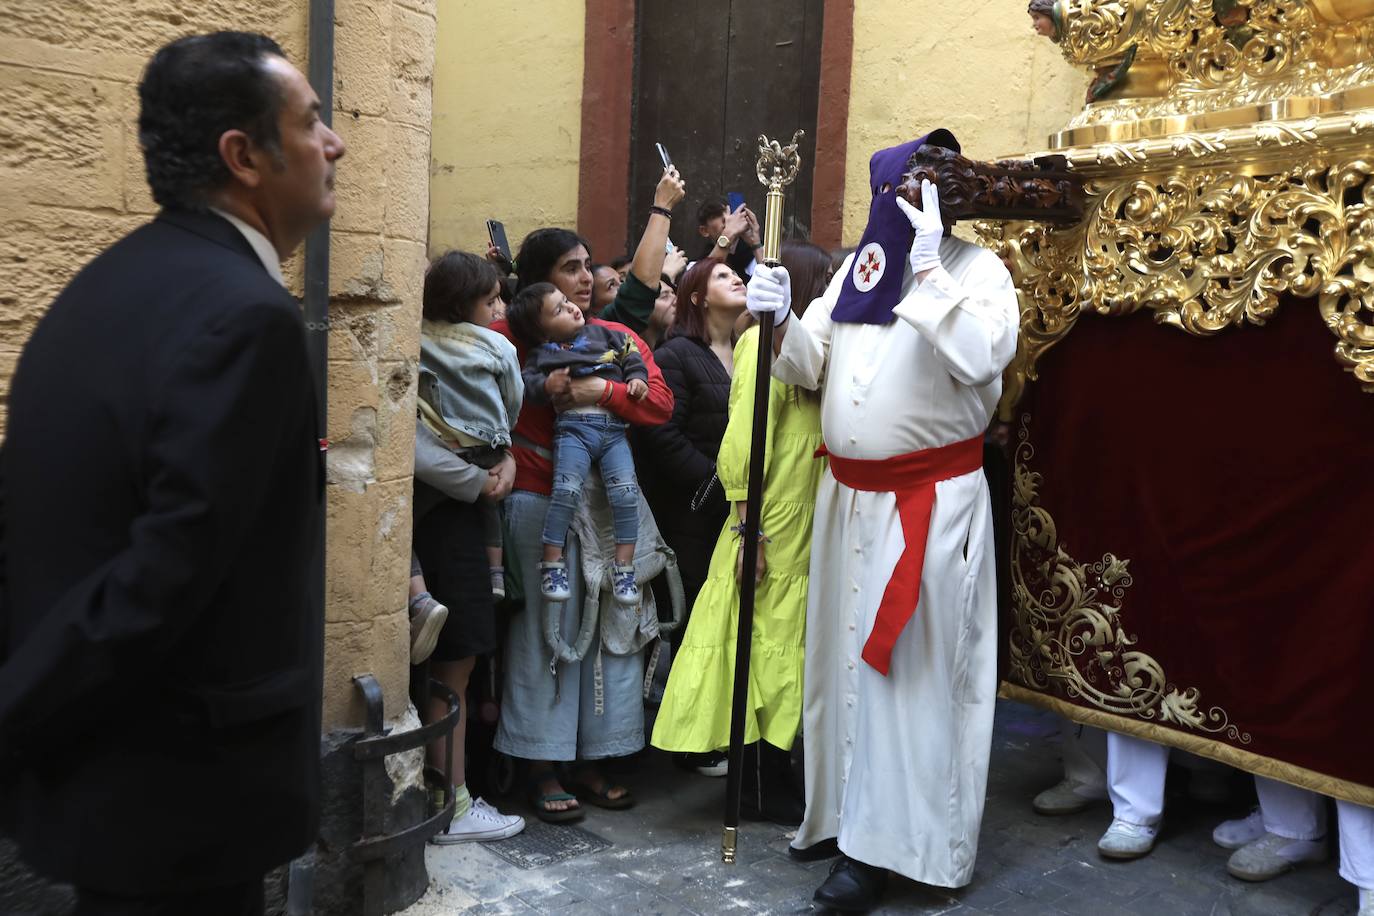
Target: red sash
(912, 477)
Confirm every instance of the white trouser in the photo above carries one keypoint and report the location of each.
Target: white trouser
(1289, 811)
(1135, 778)
(1301, 815)
(1084, 750)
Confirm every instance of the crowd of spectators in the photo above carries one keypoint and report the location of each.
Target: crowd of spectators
(535, 370)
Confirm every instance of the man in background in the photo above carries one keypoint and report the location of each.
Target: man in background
(730, 235)
(160, 652)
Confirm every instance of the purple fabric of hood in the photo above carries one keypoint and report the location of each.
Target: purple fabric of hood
(873, 286)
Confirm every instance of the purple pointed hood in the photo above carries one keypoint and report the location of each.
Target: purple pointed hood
(873, 286)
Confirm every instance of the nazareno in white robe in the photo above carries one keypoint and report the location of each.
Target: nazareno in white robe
(896, 766)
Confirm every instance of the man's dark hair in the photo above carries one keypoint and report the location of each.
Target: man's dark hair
(710, 208)
(455, 283)
(524, 312)
(620, 261)
(540, 251)
(193, 90)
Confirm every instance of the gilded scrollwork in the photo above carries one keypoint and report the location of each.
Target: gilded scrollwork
(1069, 639)
(1216, 55)
(1204, 250)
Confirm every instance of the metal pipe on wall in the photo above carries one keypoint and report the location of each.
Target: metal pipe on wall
(300, 875)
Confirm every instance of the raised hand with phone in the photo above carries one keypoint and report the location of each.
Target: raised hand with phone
(652, 252)
(738, 223)
(498, 247)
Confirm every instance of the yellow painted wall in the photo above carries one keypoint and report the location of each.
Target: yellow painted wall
(507, 120)
(975, 67)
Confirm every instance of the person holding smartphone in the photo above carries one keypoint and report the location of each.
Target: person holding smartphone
(730, 234)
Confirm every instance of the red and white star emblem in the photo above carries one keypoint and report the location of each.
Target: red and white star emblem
(869, 265)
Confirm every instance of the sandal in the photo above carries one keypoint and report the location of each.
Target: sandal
(549, 815)
(539, 801)
(601, 799)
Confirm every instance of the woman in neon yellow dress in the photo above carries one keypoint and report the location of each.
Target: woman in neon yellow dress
(695, 713)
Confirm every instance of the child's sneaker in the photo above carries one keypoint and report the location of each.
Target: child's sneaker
(625, 588)
(427, 618)
(498, 581)
(553, 581)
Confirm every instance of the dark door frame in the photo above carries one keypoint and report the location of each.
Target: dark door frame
(607, 110)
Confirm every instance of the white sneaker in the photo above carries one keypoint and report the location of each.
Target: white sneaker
(482, 822)
(1366, 902)
(1124, 840)
(1240, 832)
(1068, 796)
(1272, 855)
(716, 767)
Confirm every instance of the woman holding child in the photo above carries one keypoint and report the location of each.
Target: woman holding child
(563, 714)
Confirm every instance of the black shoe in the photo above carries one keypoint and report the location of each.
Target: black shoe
(825, 849)
(779, 809)
(852, 887)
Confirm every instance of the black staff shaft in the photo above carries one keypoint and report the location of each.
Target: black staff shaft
(748, 585)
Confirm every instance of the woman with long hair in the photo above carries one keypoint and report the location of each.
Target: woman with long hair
(583, 712)
(697, 359)
(695, 714)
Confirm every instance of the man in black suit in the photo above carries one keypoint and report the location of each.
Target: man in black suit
(159, 652)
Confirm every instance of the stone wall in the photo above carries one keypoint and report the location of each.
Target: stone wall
(384, 59)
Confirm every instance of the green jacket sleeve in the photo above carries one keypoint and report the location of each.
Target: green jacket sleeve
(633, 305)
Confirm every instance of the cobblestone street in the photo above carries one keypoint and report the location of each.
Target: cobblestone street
(663, 857)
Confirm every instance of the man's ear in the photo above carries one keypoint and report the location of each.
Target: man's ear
(239, 154)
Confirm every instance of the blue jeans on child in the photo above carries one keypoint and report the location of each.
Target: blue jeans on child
(578, 440)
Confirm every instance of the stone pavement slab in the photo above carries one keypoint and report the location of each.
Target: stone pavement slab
(664, 857)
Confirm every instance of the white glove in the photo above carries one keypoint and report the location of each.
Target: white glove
(770, 291)
(930, 229)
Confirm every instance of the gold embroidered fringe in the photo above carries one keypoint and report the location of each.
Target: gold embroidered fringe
(1219, 751)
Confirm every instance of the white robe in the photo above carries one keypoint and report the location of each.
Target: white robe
(896, 766)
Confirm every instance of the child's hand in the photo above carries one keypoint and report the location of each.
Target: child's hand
(637, 388)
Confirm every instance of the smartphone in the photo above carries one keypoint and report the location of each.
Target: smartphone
(668, 247)
(736, 200)
(663, 154)
(496, 231)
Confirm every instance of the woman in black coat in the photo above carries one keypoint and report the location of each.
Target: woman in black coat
(678, 459)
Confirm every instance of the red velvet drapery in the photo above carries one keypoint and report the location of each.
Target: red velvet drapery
(1233, 473)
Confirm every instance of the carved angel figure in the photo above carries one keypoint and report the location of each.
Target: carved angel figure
(1046, 18)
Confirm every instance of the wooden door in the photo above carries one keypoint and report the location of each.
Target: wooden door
(711, 76)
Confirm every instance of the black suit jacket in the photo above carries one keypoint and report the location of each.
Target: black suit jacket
(159, 651)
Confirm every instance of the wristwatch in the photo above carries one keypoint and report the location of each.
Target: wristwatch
(723, 241)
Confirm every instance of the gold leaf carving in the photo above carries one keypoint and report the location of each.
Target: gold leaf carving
(1217, 55)
(1204, 250)
(1068, 638)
